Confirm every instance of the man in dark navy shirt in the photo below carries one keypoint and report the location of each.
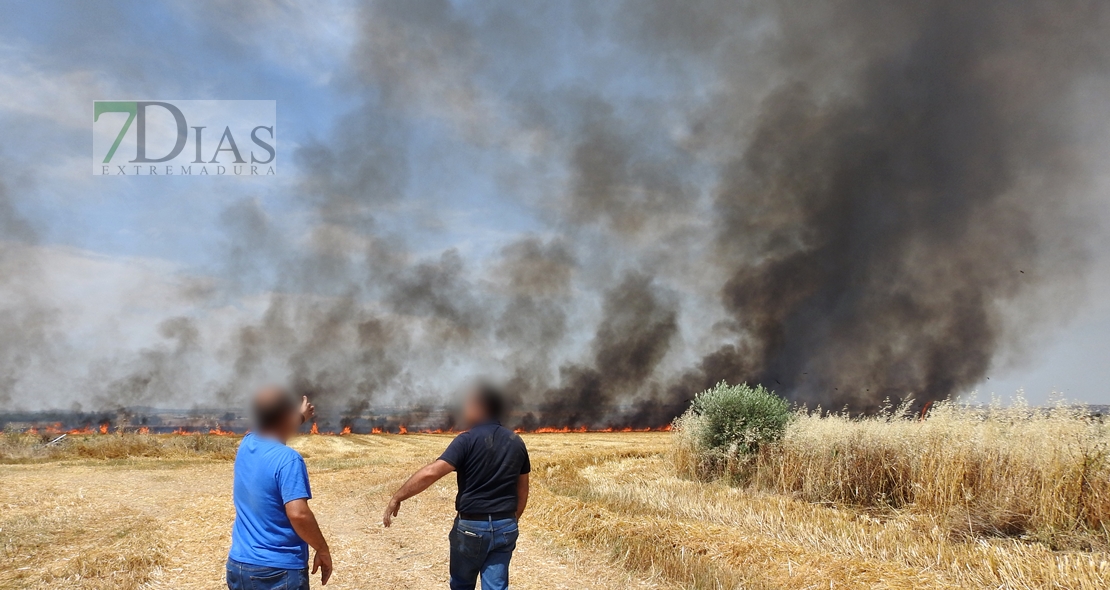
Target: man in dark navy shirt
(492, 466)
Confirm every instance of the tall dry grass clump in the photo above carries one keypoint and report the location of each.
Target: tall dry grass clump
(997, 471)
(22, 447)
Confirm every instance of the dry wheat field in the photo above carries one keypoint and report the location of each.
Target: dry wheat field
(609, 510)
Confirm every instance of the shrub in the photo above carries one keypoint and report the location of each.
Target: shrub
(726, 425)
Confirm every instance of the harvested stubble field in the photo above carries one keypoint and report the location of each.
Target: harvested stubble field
(608, 511)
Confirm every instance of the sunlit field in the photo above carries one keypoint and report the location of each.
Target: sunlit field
(609, 510)
(154, 511)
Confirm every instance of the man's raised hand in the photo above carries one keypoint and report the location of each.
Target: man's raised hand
(307, 410)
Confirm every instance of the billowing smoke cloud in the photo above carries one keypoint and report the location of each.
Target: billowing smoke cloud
(845, 202)
(156, 374)
(635, 333)
(876, 230)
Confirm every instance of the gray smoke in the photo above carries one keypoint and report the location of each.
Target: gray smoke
(637, 327)
(846, 202)
(29, 338)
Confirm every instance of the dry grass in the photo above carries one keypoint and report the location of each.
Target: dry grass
(608, 511)
(1000, 472)
(167, 521)
(58, 544)
(18, 447)
(710, 535)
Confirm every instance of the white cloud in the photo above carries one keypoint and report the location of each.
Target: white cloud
(64, 98)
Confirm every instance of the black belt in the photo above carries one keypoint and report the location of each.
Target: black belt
(486, 517)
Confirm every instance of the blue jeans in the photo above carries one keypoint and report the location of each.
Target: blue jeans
(243, 576)
(482, 547)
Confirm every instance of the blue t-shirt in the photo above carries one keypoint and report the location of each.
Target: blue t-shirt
(268, 475)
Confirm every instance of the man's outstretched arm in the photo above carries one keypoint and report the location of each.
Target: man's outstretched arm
(419, 482)
(304, 523)
(521, 494)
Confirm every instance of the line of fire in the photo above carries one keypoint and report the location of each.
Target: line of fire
(386, 420)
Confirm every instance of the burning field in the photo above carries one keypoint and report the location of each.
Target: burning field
(607, 208)
(609, 509)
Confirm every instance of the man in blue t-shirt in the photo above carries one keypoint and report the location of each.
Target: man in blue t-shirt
(492, 465)
(273, 524)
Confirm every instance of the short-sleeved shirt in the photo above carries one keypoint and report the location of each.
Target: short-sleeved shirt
(488, 459)
(268, 475)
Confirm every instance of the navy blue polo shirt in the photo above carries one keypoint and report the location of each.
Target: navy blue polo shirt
(488, 460)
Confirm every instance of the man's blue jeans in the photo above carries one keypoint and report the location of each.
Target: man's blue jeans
(243, 576)
(482, 547)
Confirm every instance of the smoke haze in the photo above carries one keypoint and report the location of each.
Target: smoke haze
(612, 207)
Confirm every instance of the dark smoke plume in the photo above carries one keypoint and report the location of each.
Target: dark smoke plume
(634, 335)
(876, 231)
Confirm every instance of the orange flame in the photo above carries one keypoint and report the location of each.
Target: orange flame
(567, 429)
(550, 430)
(346, 430)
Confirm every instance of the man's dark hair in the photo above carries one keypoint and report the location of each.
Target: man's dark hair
(491, 399)
(271, 408)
